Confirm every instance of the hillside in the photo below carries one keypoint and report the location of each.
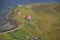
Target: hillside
(44, 23)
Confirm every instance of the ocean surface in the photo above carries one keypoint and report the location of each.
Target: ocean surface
(5, 5)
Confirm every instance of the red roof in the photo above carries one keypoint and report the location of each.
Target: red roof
(28, 17)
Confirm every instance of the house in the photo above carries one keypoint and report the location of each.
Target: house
(28, 17)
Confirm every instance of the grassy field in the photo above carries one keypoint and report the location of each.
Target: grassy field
(44, 23)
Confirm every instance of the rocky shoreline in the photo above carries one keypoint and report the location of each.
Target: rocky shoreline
(10, 24)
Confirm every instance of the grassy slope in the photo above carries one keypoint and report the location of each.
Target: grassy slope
(45, 23)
